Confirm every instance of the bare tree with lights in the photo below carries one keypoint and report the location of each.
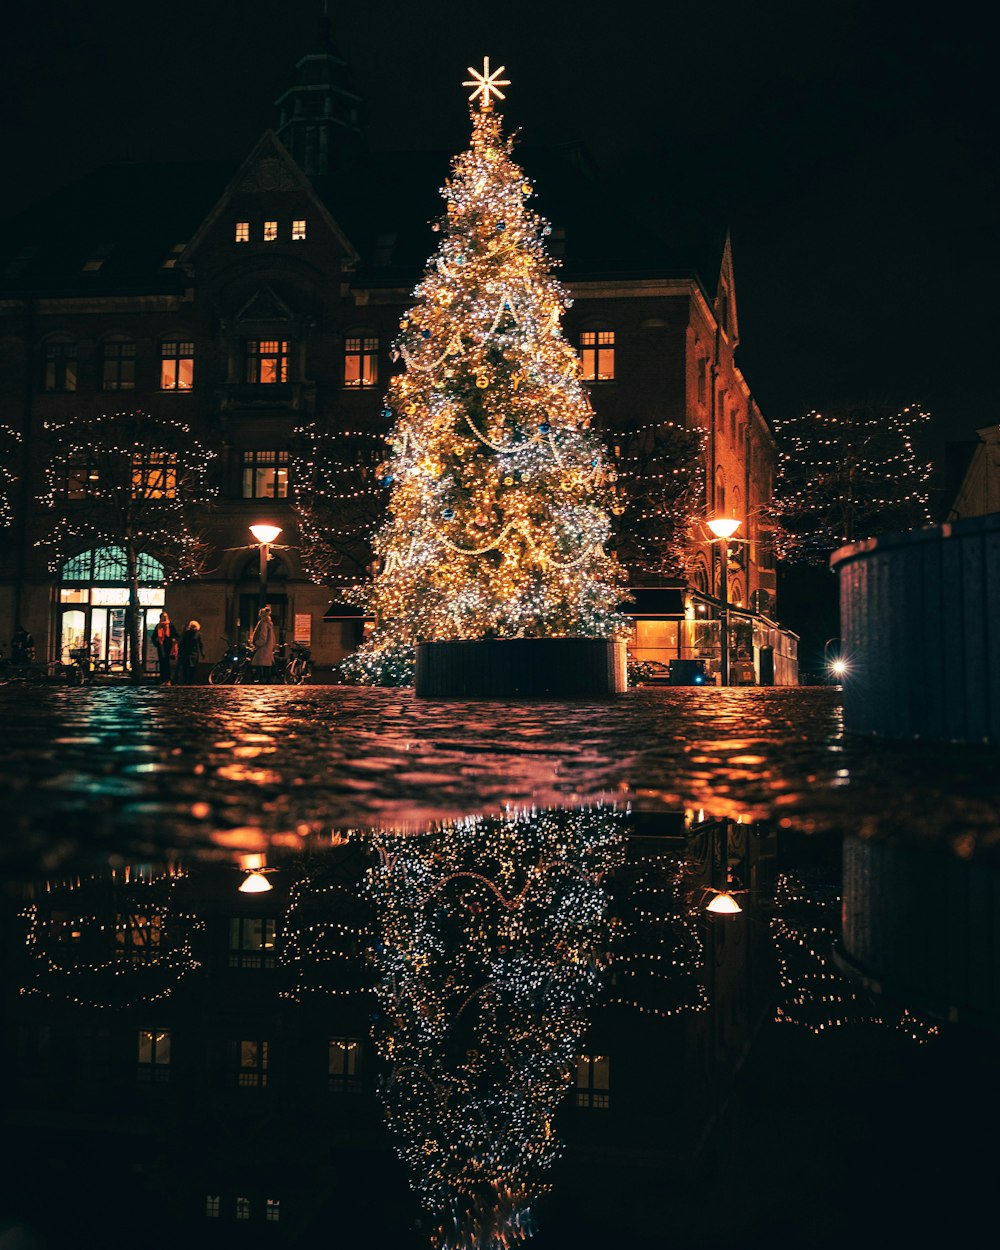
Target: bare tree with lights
(498, 516)
(846, 474)
(132, 482)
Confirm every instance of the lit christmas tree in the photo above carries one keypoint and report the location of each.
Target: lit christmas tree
(493, 939)
(847, 474)
(500, 491)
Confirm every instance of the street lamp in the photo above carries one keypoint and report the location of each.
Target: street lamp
(265, 535)
(724, 528)
(255, 882)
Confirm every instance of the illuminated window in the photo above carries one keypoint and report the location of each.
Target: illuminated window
(242, 1208)
(251, 942)
(213, 1205)
(597, 355)
(266, 361)
(272, 1210)
(265, 475)
(174, 255)
(250, 1063)
(360, 361)
(118, 366)
(60, 367)
(270, 231)
(137, 937)
(242, 232)
(176, 365)
(344, 1066)
(298, 229)
(153, 1055)
(154, 475)
(593, 1080)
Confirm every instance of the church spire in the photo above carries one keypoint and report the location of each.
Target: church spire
(320, 116)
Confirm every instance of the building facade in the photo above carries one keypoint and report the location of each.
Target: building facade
(260, 302)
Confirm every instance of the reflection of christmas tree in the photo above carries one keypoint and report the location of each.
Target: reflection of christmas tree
(500, 491)
(494, 935)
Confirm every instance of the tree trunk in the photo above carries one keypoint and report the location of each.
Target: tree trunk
(134, 633)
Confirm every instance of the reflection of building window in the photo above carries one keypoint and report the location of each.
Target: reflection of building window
(176, 366)
(266, 361)
(137, 937)
(344, 1066)
(298, 229)
(213, 1204)
(597, 355)
(265, 474)
(360, 361)
(251, 942)
(242, 1208)
(242, 232)
(60, 366)
(272, 1210)
(250, 1064)
(154, 475)
(593, 1079)
(118, 366)
(154, 1055)
(270, 231)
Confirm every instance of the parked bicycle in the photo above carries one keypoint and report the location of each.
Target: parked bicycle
(291, 667)
(228, 671)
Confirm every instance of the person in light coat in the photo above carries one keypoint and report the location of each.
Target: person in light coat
(263, 640)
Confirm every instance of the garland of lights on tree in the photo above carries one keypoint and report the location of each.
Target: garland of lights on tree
(500, 491)
(10, 442)
(847, 474)
(493, 938)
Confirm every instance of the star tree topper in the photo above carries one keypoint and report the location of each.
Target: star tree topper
(487, 84)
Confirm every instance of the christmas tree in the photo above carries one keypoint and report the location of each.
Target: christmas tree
(500, 490)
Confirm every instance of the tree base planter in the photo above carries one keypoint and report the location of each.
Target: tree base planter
(521, 668)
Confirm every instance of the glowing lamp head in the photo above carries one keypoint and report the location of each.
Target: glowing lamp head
(838, 667)
(255, 883)
(723, 527)
(723, 904)
(265, 533)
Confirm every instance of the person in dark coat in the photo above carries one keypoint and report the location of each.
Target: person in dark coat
(164, 638)
(263, 642)
(22, 646)
(190, 653)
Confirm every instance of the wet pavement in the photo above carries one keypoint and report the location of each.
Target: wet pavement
(91, 773)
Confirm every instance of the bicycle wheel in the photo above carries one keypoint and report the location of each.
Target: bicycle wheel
(221, 674)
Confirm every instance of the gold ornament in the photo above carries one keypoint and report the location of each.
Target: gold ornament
(410, 409)
(482, 381)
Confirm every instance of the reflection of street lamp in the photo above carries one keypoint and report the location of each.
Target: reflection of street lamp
(255, 882)
(724, 528)
(265, 535)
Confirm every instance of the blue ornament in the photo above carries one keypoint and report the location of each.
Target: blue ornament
(501, 225)
(448, 513)
(426, 334)
(388, 480)
(459, 260)
(544, 428)
(387, 412)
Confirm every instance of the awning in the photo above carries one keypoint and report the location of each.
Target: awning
(338, 611)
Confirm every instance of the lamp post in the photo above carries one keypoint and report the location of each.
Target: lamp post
(724, 528)
(265, 535)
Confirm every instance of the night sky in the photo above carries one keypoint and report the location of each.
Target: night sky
(852, 147)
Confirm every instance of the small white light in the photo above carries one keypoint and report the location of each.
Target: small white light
(255, 883)
(265, 533)
(723, 904)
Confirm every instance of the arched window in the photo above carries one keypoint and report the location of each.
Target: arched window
(93, 599)
(118, 364)
(720, 492)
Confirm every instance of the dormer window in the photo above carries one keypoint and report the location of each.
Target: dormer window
(298, 230)
(597, 355)
(242, 232)
(270, 231)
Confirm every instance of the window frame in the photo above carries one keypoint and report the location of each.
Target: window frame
(178, 357)
(254, 355)
(245, 956)
(156, 1069)
(596, 343)
(299, 228)
(241, 232)
(365, 355)
(54, 351)
(257, 461)
(118, 364)
(589, 1094)
(348, 1079)
(155, 474)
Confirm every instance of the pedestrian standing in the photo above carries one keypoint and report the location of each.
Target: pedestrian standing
(263, 641)
(190, 653)
(22, 646)
(164, 638)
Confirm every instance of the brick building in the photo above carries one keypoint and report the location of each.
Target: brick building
(251, 301)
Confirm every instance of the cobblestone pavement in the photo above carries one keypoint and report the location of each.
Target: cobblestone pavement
(106, 771)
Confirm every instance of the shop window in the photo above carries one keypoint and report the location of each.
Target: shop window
(118, 365)
(154, 1055)
(252, 942)
(265, 361)
(250, 1064)
(176, 365)
(265, 475)
(154, 475)
(242, 232)
(593, 1081)
(361, 361)
(270, 231)
(344, 1066)
(597, 355)
(298, 230)
(60, 367)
